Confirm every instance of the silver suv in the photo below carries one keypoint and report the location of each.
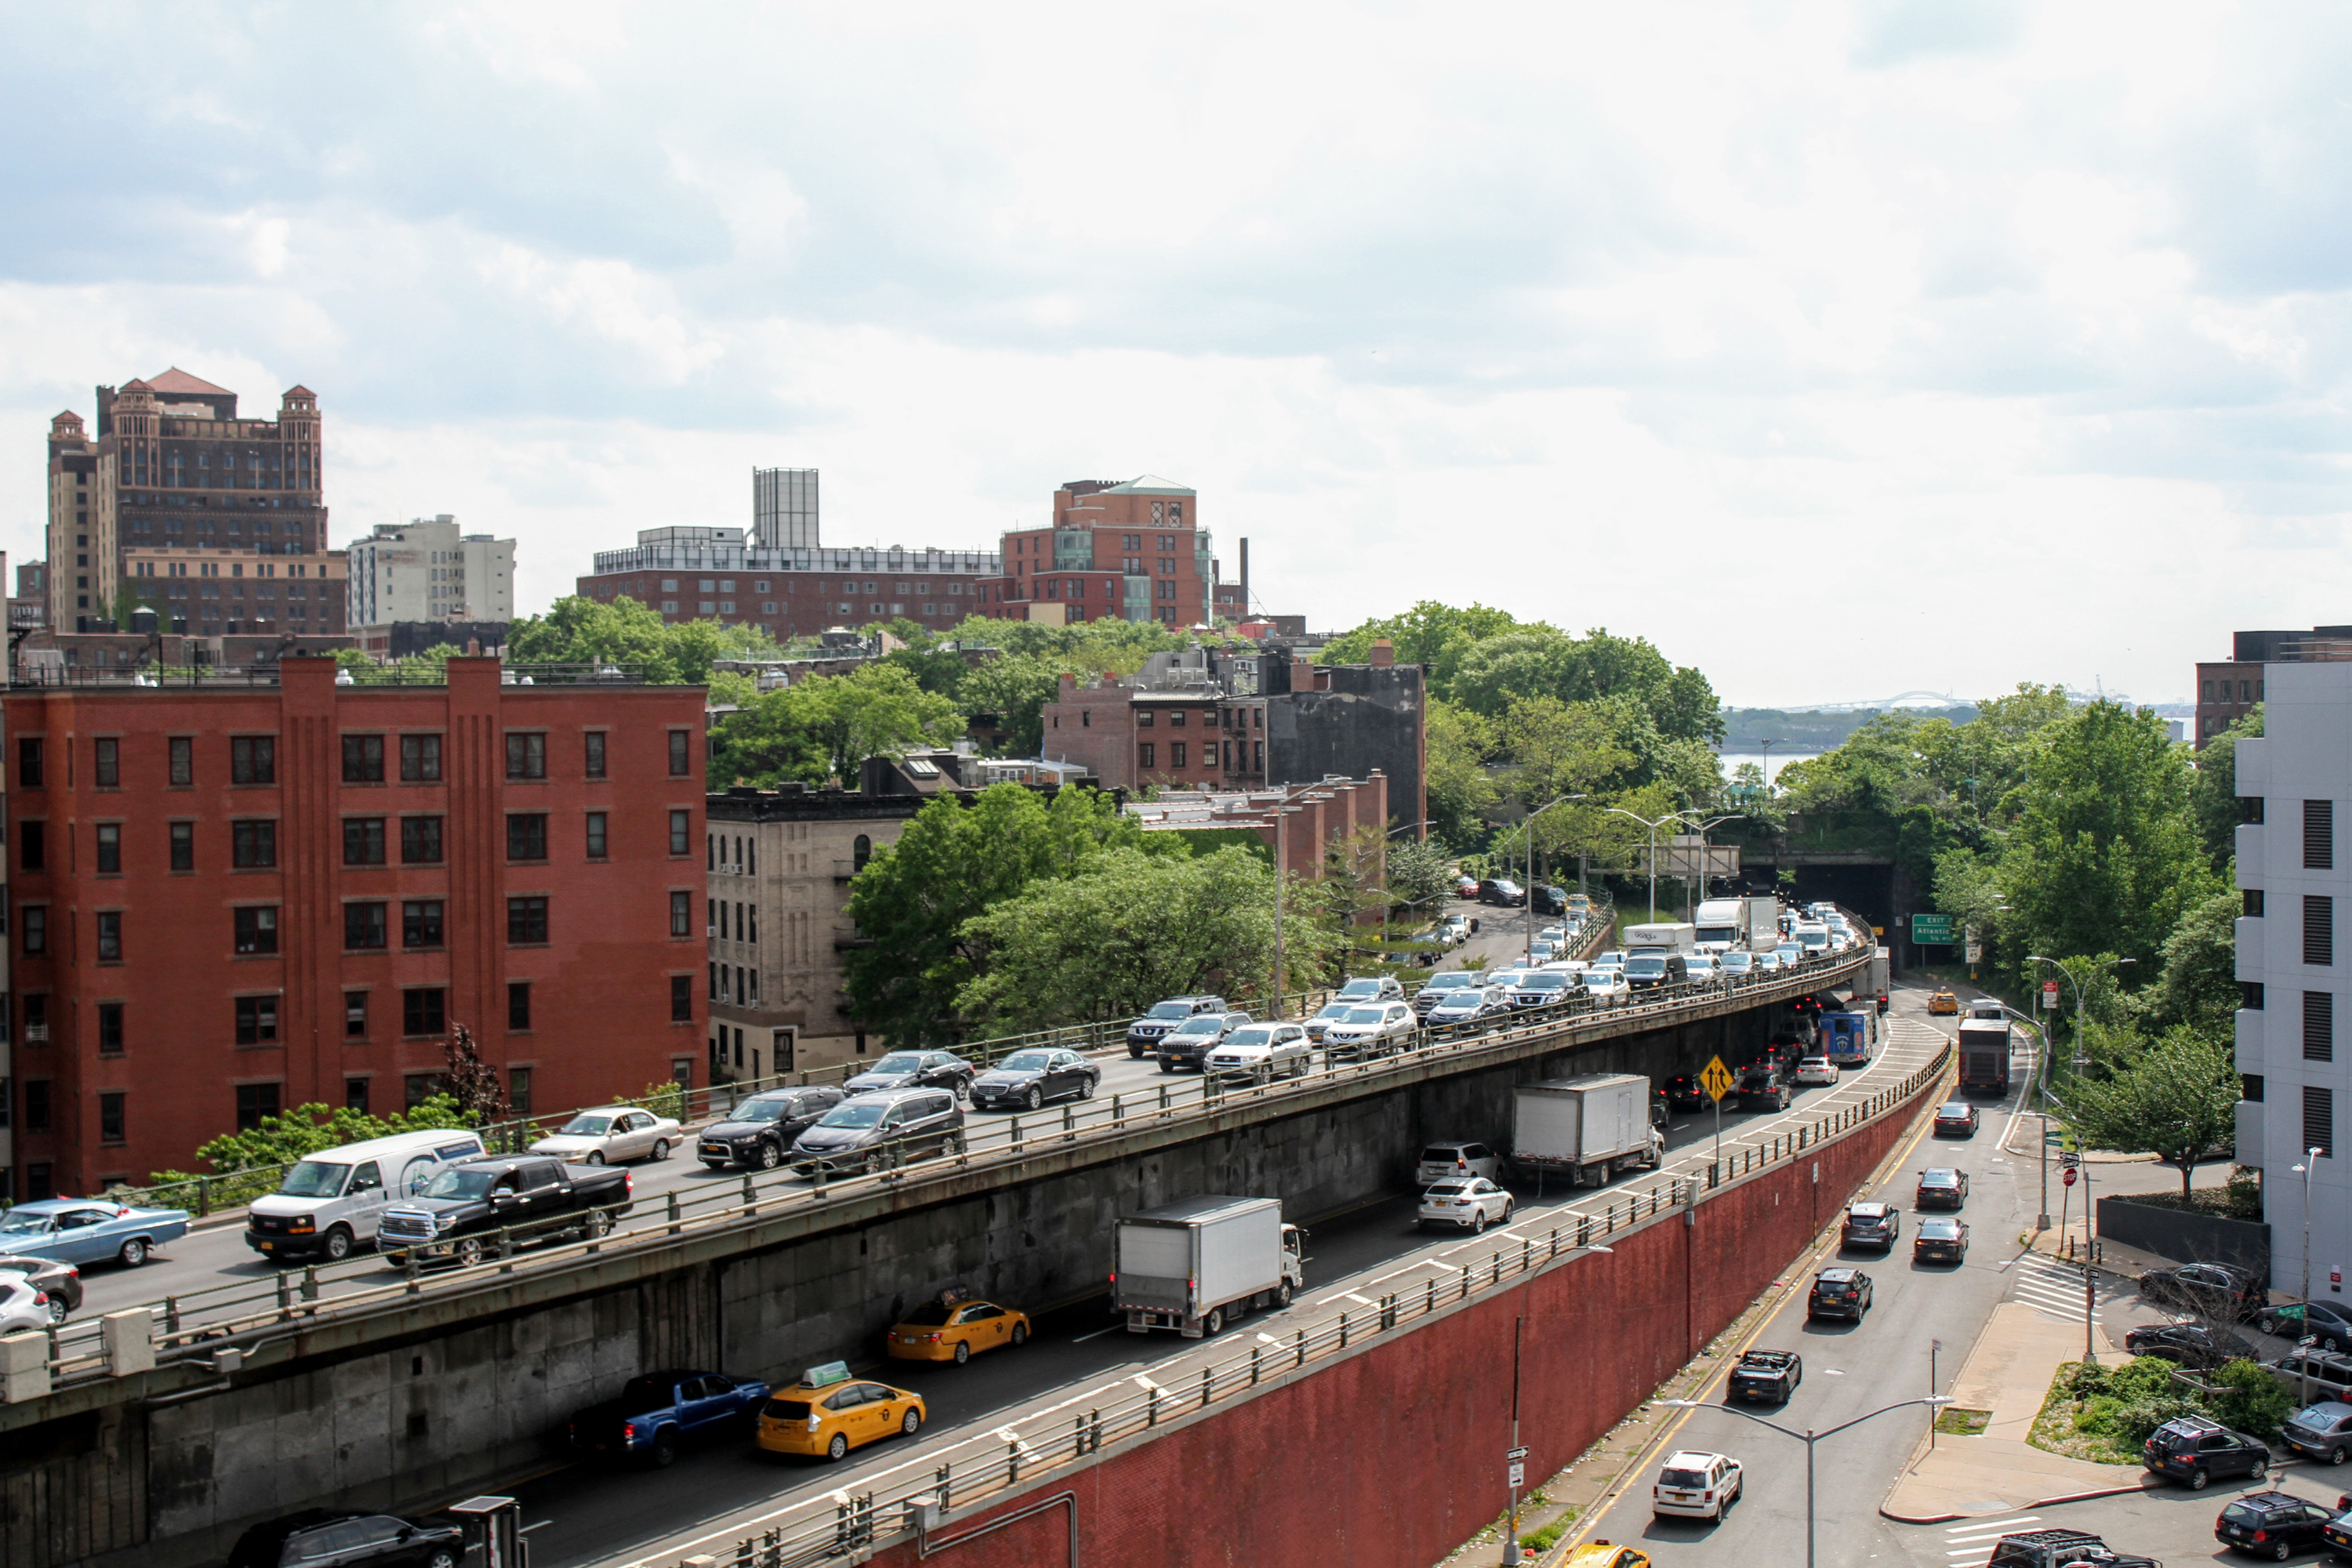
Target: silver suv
(873, 1131)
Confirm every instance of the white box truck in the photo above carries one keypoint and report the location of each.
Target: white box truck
(1195, 1266)
(1589, 1128)
(1744, 925)
(1665, 936)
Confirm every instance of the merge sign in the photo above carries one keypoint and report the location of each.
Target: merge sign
(1716, 1078)
(1934, 930)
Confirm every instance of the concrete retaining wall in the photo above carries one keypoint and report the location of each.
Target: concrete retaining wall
(2185, 1236)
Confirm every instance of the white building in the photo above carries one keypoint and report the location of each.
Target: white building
(2293, 879)
(425, 570)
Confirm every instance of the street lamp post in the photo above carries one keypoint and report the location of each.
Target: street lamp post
(1710, 822)
(2302, 1363)
(1528, 825)
(2082, 1060)
(1808, 1438)
(2040, 1033)
(1652, 827)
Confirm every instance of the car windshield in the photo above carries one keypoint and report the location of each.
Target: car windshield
(456, 1182)
(1355, 988)
(1335, 1009)
(1366, 1016)
(1644, 966)
(1169, 1010)
(1738, 960)
(313, 1179)
(1674, 1477)
(1543, 982)
(899, 1061)
(756, 1110)
(1789, 949)
(1025, 1061)
(854, 1113)
(588, 1126)
(1256, 1035)
(929, 1315)
(1452, 980)
(1462, 1001)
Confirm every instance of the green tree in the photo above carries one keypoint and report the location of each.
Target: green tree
(2199, 984)
(2214, 795)
(1429, 632)
(281, 1140)
(2176, 1098)
(1015, 688)
(1461, 785)
(827, 726)
(581, 630)
(1419, 870)
(2249, 1397)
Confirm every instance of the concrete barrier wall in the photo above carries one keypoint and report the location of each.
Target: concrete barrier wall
(2185, 1236)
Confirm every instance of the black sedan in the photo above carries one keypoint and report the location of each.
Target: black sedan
(1027, 1080)
(915, 1070)
(341, 1537)
(1958, 1120)
(1684, 1092)
(2190, 1344)
(1943, 1188)
(62, 1282)
(2216, 1290)
(1940, 1241)
(1770, 1375)
(2275, 1525)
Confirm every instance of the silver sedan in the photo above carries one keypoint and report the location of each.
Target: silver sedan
(611, 1134)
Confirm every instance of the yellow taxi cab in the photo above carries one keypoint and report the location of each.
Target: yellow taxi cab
(1605, 1554)
(1944, 1002)
(828, 1412)
(953, 1325)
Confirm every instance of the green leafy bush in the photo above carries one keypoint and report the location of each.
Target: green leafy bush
(2251, 1400)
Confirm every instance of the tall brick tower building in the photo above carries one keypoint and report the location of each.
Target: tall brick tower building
(1118, 550)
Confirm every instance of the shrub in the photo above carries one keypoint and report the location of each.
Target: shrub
(2250, 1400)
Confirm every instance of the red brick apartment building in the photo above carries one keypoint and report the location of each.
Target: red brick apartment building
(233, 898)
(1116, 550)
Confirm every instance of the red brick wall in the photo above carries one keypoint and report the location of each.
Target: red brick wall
(1393, 1458)
(599, 1007)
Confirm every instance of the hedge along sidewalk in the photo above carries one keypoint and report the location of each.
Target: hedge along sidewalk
(2008, 1373)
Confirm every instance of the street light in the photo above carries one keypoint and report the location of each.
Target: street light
(1518, 1327)
(1652, 827)
(1808, 1438)
(1710, 822)
(2302, 1363)
(1529, 824)
(2082, 1060)
(2040, 1033)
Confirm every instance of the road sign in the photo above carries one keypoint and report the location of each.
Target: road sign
(1518, 1474)
(2067, 1176)
(1935, 931)
(2069, 1158)
(1515, 1454)
(2049, 996)
(1716, 1078)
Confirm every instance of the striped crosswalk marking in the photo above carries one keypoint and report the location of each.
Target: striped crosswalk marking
(2052, 1289)
(1975, 1539)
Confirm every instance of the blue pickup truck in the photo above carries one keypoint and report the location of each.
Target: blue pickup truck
(660, 1410)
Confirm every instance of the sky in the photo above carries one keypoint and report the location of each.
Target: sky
(1841, 351)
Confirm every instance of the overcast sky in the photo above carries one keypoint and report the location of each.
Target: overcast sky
(1883, 347)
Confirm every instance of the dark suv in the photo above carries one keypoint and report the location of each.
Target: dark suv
(325, 1535)
(874, 1130)
(1764, 1086)
(2061, 1549)
(2216, 1290)
(2195, 1451)
(1143, 1034)
(2272, 1524)
(1502, 890)
(758, 1130)
(2189, 1345)
(1871, 1224)
(1839, 1293)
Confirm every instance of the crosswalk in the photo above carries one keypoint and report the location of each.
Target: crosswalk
(2054, 1290)
(1972, 1541)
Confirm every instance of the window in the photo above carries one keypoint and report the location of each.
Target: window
(33, 920)
(37, 1105)
(256, 1021)
(2319, 1120)
(519, 1091)
(681, 998)
(183, 760)
(420, 840)
(2319, 1026)
(108, 770)
(33, 848)
(421, 1011)
(110, 1028)
(1177, 719)
(526, 920)
(2318, 834)
(595, 744)
(1176, 753)
(110, 1118)
(253, 759)
(421, 1087)
(526, 756)
(257, 928)
(2250, 1087)
(681, 914)
(253, 844)
(2249, 995)
(861, 851)
(681, 757)
(2319, 930)
(1144, 754)
(363, 841)
(681, 832)
(364, 927)
(364, 759)
(420, 924)
(110, 936)
(518, 1003)
(183, 846)
(110, 848)
(355, 1095)
(2250, 903)
(1144, 719)
(28, 763)
(595, 835)
(527, 836)
(420, 759)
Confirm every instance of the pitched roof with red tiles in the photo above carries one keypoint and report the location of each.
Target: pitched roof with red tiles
(298, 390)
(177, 380)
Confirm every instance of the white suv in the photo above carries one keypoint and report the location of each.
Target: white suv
(1474, 1203)
(1371, 1029)
(1261, 1053)
(1815, 1070)
(1692, 1485)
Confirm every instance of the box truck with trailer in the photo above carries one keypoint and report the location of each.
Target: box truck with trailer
(1750, 924)
(1587, 1128)
(1195, 1266)
(1874, 986)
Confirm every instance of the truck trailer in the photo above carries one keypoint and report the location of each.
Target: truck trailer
(1745, 924)
(1195, 1266)
(1589, 1128)
(1984, 1056)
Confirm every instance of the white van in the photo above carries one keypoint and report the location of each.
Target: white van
(328, 1203)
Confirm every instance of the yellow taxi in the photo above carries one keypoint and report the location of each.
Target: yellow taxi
(1944, 1002)
(1605, 1554)
(828, 1413)
(952, 1326)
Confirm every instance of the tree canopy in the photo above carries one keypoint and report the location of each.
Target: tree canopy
(2176, 1099)
(581, 630)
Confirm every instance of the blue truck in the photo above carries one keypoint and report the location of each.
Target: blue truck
(658, 1412)
(1850, 1039)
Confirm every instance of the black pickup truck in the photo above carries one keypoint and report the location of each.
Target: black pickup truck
(459, 1213)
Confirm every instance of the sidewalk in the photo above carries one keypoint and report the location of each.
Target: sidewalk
(2008, 1373)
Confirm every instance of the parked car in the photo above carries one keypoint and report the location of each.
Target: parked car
(1839, 1293)
(1468, 1005)
(89, 1230)
(1466, 887)
(1194, 1038)
(458, 1215)
(1871, 1224)
(1941, 1188)
(2272, 1524)
(914, 1069)
(1445, 1162)
(759, 1130)
(1940, 1241)
(1472, 1203)
(1501, 890)
(1144, 1033)
(658, 1412)
(869, 1131)
(1026, 1079)
(1443, 985)
(60, 1282)
(2061, 1549)
(1815, 1072)
(1694, 1484)
(1546, 899)
(611, 1134)
(2198, 1451)
(2321, 1431)
(1370, 1030)
(2313, 1374)
(1771, 1375)
(2190, 1344)
(2216, 1290)
(828, 1413)
(2327, 1325)
(1262, 1053)
(337, 1536)
(954, 1326)
(1453, 929)
(1958, 1120)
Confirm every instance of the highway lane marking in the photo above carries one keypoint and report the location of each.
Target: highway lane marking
(1098, 1333)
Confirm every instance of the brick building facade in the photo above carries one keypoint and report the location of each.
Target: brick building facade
(716, 574)
(232, 899)
(1116, 550)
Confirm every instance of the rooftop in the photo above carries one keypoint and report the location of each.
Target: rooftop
(177, 380)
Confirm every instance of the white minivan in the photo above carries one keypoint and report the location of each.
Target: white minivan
(328, 1203)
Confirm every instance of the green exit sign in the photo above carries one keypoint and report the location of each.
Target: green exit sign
(1934, 930)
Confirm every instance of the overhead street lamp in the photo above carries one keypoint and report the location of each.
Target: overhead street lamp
(1527, 825)
(1808, 1438)
(1710, 822)
(1652, 827)
(2040, 1033)
(2310, 1158)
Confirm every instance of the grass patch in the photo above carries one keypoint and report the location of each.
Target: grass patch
(1544, 1540)
(2103, 1415)
(1955, 1422)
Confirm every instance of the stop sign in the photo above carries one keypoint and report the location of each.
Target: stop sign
(2067, 1177)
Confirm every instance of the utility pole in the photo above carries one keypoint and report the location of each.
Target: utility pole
(1518, 1455)
(1529, 952)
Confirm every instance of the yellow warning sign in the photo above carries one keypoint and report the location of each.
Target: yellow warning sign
(1716, 1078)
